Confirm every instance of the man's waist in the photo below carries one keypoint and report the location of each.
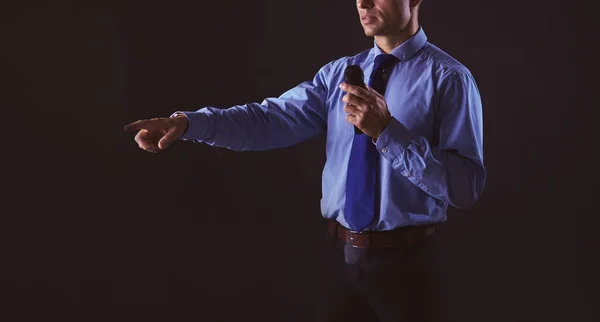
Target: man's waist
(399, 237)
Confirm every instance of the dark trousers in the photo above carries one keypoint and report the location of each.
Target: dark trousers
(383, 285)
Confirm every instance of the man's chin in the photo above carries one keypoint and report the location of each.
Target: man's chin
(370, 31)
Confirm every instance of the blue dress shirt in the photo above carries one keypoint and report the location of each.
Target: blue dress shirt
(431, 152)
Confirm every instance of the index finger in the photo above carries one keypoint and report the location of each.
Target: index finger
(138, 125)
(355, 90)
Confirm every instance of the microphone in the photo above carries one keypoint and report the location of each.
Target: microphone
(353, 75)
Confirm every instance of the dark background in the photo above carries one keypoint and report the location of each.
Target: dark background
(95, 229)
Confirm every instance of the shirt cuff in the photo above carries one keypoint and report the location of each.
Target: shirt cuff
(198, 125)
(394, 139)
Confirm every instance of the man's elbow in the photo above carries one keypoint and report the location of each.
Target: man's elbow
(464, 202)
(467, 196)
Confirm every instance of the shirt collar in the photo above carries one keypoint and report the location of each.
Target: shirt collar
(407, 49)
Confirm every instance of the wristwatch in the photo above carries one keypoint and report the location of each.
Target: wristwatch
(176, 114)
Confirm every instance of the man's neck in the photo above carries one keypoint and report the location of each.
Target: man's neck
(388, 42)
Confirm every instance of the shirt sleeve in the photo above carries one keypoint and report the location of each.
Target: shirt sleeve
(451, 168)
(296, 115)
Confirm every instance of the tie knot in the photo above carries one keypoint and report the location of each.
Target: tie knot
(384, 60)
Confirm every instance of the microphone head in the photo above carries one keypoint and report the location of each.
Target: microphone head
(353, 75)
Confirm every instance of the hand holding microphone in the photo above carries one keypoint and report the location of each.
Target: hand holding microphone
(367, 109)
(353, 75)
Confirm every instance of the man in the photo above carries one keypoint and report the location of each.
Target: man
(399, 152)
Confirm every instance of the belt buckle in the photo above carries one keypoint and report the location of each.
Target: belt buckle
(350, 239)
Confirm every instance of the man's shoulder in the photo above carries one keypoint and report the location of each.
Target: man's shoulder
(443, 61)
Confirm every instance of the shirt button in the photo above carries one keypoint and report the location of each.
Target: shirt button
(384, 150)
(406, 173)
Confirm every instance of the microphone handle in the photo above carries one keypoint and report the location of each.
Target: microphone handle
(357, 130)
(354, 76)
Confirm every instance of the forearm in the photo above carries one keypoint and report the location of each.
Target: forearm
(445, 174)
(254, 126)
(296, 115)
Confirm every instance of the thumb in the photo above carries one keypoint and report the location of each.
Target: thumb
(168, 138)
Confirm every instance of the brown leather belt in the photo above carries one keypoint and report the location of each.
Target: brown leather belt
(401, 237)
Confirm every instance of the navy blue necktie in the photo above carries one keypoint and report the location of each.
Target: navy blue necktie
(361, 203)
